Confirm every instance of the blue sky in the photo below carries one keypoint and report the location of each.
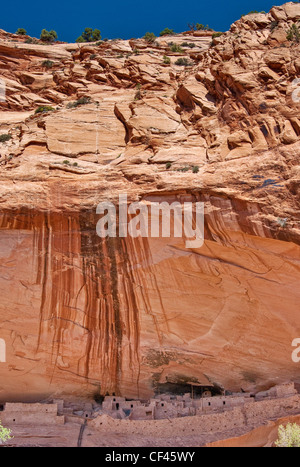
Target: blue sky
(120, 18)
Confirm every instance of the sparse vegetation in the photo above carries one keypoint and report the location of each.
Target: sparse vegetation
(89, 35)
(93, 56)
(150, 37)
(48, 36)
(253, 12)
(191, 45)
(176, 48)
(47, 64)
(31, 40)
(167, 60)
(5, 434)
(4, 138)
(138, 94)
(166, 32)
(289, 436)
(183, 169)
(293, 34)
(81, 101)
(195, 169)
(183, 62)
(199, 27)
(21, 32)
(217, 34)
(44, 108)
(66, 162)
(168, 165)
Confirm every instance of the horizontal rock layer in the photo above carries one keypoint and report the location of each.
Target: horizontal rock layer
(82, 316)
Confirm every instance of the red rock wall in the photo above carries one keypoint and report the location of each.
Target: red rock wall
(82, 315)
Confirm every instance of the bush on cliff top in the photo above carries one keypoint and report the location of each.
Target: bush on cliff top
(89, 35)
(150, 37)
(199, 27)
(21, 32)
(254, 12)
(48, 36)
(166, 32)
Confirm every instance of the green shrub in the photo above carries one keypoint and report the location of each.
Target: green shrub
(93, 56)
(289, 436)
(199, 27)
(30, 40)
(89, 35)
(21, 32)
(293, 34)
(183, 62)
(167, 60)
(195, 169)
(44, 108)
(4, 138)
(66, 162)
(48, 36)
(183, 169)
(81, 101)
(5, 434)
(217, 34)
(253, 12)
(80, 39)
(166, 32)
(191, 45)
(176, 48)
(150, 37)
(47, 64)
(168, 165)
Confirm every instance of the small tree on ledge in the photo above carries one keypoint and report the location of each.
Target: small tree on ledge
(89, 35)
(21, 32)
(48, 36)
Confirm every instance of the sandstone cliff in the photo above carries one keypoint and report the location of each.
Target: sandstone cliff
(83, 316)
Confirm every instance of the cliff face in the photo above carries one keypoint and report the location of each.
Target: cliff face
(81, 315)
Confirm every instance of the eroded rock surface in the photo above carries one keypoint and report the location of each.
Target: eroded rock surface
(83, 316)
